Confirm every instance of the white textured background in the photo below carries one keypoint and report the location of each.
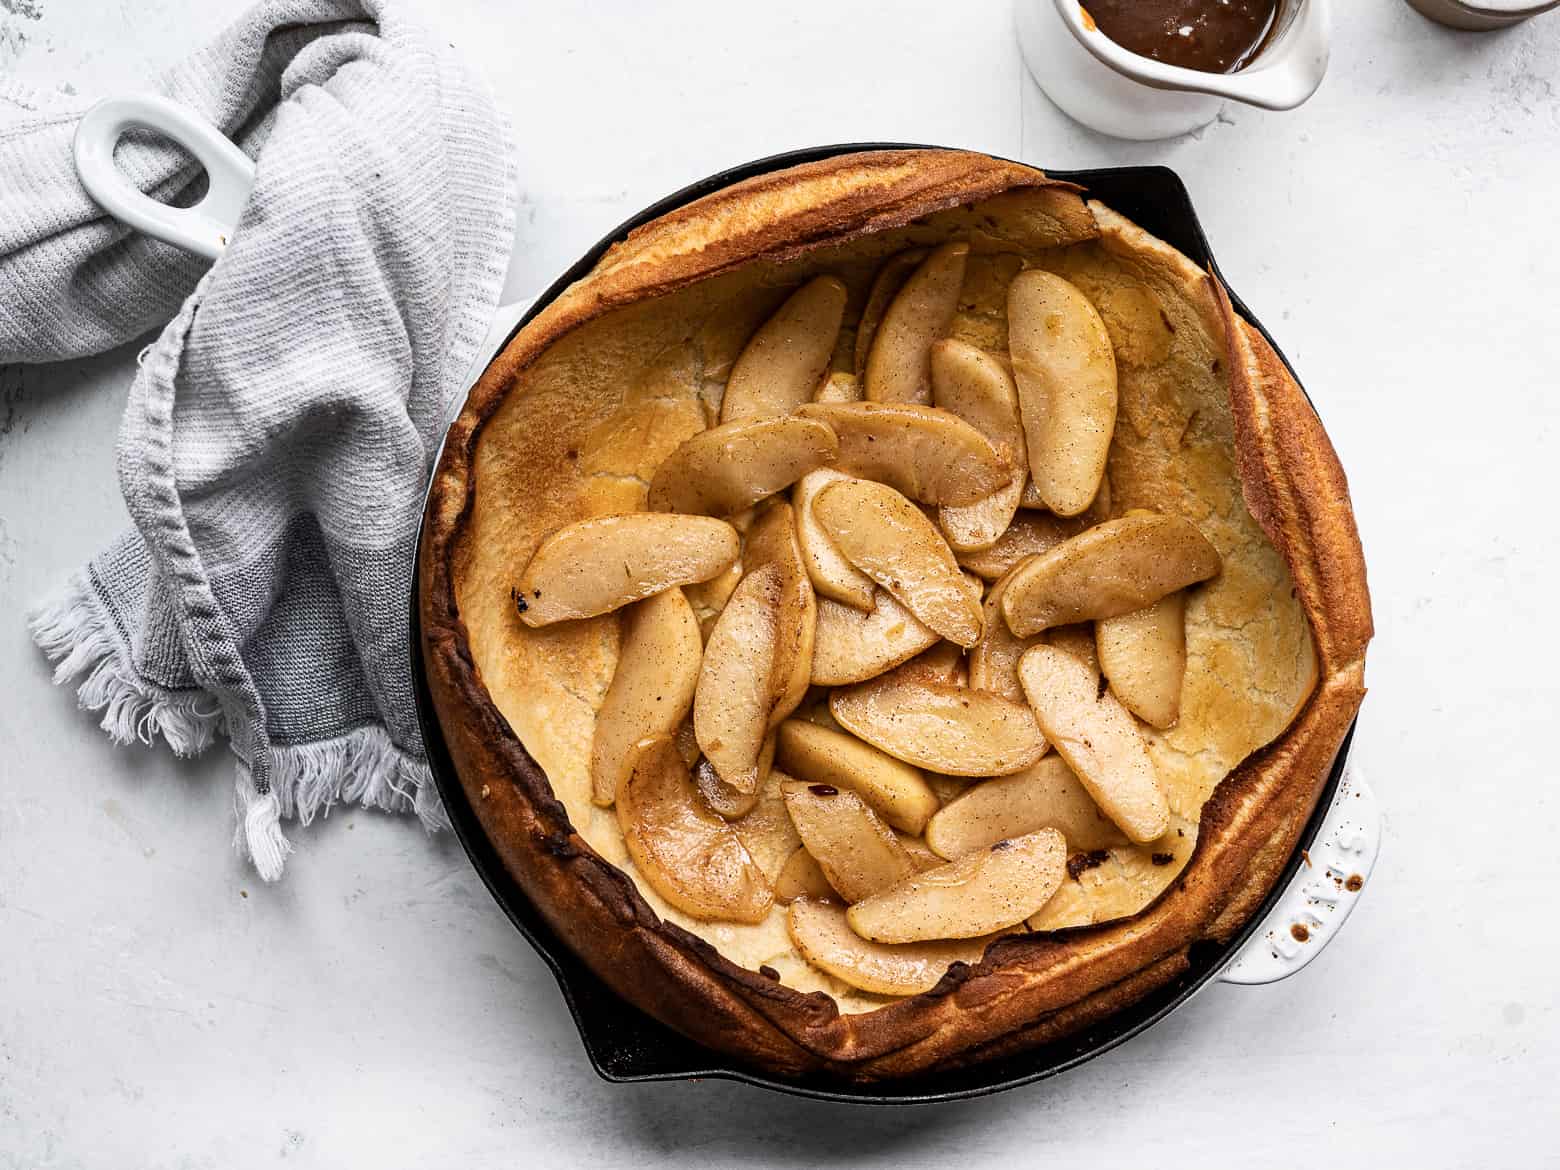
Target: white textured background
(159, 1008)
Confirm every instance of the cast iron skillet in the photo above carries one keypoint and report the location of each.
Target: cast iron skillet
(626, 1045)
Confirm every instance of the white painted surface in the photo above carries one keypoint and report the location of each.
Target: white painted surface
(159, 1008)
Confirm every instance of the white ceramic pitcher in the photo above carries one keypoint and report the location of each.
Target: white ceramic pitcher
(1097, 82)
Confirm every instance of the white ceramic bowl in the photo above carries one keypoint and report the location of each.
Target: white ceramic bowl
(1481, 15)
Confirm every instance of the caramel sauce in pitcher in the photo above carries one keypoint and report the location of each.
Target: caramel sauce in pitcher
(1211, 36)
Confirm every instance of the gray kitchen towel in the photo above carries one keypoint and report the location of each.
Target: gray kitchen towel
(278, 435)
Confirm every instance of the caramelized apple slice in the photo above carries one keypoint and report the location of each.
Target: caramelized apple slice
(943, 663)
(899, 363)
(737, 683)
(1028, 534)
(839, 387)
(920, 855)
(596, 566)
(981, 893)
(1078, 640)
(892, 789)
(948, 788)
(969, 382)
(948, 729)
(1066, 373)
(890, 278)
(687, 742)
(722, 797)
(1099, 510)
(652, 687)
(1143, 654)
(890, 540)
(772, 541)
(801, 877)
(767, 830)
(1113, 568)
(833, 576)
(926, 453)
(691, 857)
(1095, 734)
(852, 646)
(786, 360)
(1045, 796)
(825, 939)
(708, 598)
(994, 660)
(721, 471)
(857, 852)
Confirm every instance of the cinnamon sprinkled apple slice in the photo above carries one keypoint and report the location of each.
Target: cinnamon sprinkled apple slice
(652, 687)
(721, 471)
(1045, 796)
(890, 540)
(708, 598)
(949, 729)
(833, 576)
(1113, 568)
(1028, 534)
(772, 541)
(852, 646)
(943, 663)
(691, 857)
(737, 687)
(1143, 654)
(1076, 639)
(920, 853)
(824, 938)
(994, 660)
(1096, 735)
(983, 892)
(767, 829)
(596, 566)
(893, 789)
(890, 278)
(899, 362)
(801, 877)
(839, 387)
(729, 802)
(1066, 373)
(786, 360)
(857, 852)
(928, 454)
(969, 382)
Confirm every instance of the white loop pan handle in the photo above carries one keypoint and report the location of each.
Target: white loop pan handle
(205, 228)
(1322, 895)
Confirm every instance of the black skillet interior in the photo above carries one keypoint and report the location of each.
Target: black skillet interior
(626, 1045)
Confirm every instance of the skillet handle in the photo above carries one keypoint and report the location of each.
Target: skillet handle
(203, 229)
(1322, 895)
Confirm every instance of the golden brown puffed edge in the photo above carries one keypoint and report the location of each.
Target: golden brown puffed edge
(1027, 991)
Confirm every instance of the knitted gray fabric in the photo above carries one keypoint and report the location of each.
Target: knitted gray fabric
(278, 436)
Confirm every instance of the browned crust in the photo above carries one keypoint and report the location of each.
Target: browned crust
(1027, 990)
(1296, 489)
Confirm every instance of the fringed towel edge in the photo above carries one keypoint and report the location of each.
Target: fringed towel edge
(362, 767)
(78, 637)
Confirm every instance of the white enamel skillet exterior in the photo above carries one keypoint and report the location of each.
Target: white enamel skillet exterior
(1338, 864)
